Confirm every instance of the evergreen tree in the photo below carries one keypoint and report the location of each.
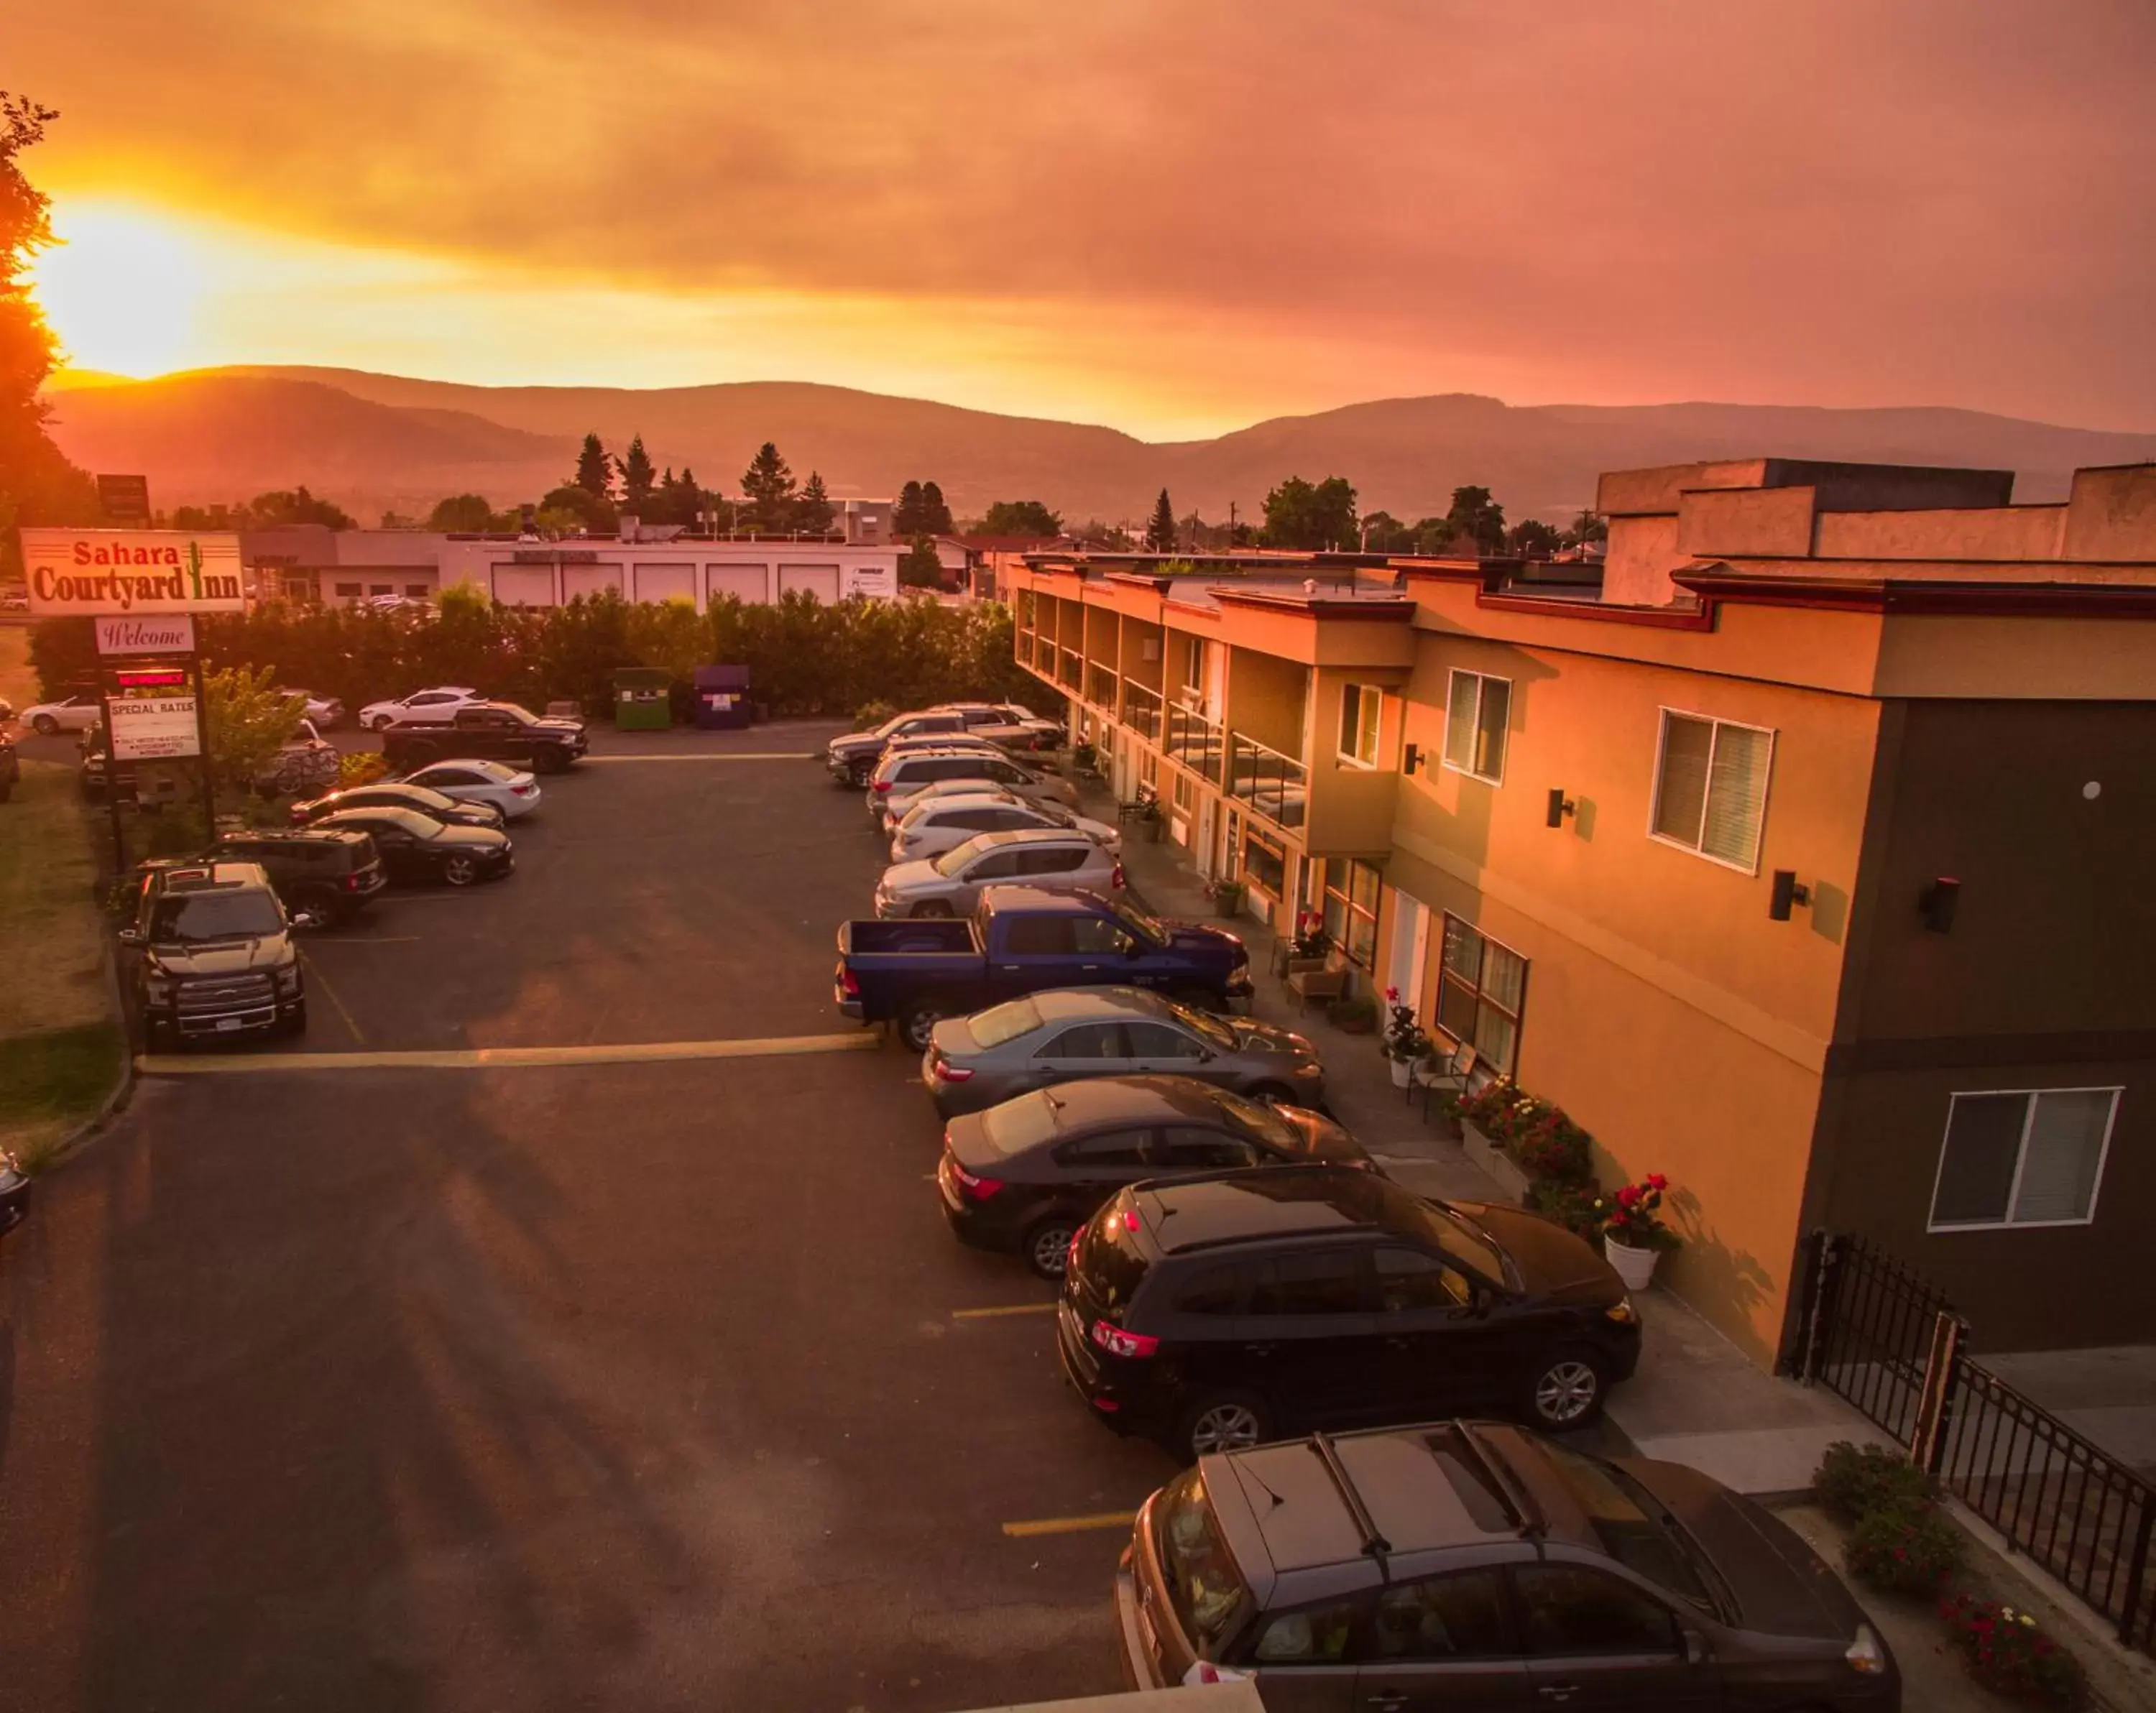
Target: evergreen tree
(1478, 518)
(637, 477)
(813, 514)
(920, 569)
(767, 486)
(594, 471)
(1160, 532)
(934, 514)
(1020, 517)
(1314, 517)
(905, 515)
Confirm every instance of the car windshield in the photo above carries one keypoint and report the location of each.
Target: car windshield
(1000, 1023)
(1204, 1585)
(523, 716)
(1465, 1242)
(1026, 1122)
(1631, 1524)
(215, 915)
(1210, 1030)
(954, 858)
(1139, 923)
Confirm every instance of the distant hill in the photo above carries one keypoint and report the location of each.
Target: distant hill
(385, 442)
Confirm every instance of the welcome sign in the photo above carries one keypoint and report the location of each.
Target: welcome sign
(132, 571)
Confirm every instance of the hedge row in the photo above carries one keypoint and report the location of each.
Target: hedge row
(805, 657)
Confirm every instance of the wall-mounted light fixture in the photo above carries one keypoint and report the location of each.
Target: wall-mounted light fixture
(1936, 904)
(1412, 757)
(1787, 892)
(1560, 806)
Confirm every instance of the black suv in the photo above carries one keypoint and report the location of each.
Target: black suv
(1215, 1312)
(1471, 1565)
(218, 958)
(329, 872)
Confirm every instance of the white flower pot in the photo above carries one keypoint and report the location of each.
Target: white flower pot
(1403, 1072)
(1635, 1267)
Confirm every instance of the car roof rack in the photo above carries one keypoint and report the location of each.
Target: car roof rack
(1374, 1544)
(1526, 1513)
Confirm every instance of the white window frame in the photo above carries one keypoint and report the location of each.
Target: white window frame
(1655, 796)
(2021, 1160)
(1444, 744)
(1377, 742)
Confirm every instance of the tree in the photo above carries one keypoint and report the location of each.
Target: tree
(768, 484)
(905, 515)
(813, 514)
(935, 514)
(1020, 517)
(466, 512)
(1531, 538)
(287, 507)
(637, 477)
(1314, 518)
(573, 506)
(1478, 518)
(1588, 526)
(1160, 532)
(594, 471)
(920, 569)
(249, 719)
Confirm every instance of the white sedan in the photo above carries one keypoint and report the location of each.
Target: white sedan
(426, 707)
(69, 714)
(934, 825)
(509, 789)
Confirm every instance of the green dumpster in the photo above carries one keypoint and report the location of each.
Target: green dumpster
(643, 700)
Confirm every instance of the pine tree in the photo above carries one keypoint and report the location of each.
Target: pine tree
(920, 569)
(768, 486)
(638, 478)
(1160, 532)
(594, 470)
(905, 515)
(814, 513)
(934, 514)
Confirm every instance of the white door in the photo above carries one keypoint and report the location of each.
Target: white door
(1202, 846)
(747, 583)
(588, 580)
(821, 581)
(1410, 954)
(666, 583)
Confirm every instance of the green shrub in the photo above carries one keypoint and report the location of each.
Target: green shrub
(872, 714)
(1553, 1146)
(1571, 1205)
(1854, 1480)
(1908, 1549)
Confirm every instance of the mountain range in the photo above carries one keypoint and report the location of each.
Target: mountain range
(376, 443)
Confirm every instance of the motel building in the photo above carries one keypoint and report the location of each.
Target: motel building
(1801, 851)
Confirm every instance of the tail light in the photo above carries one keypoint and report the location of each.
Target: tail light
(523, 790)
(849, 984)
(1119, 1343)
(980, 1188)
(353, 881)
(1116, 880)
(881, 785)
(950, 1073)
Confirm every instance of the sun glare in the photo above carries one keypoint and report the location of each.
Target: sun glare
(123, 288)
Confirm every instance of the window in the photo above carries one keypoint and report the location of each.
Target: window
(1087, 1041)
(1459, 1617)
(1265, 866)
(2028, 1158)
(1571, 1609)
(1322, 1282)
(380, 589)
(1320, 1635)
(1359, 707)
(1476, 711)
(417, 591)
(1091, 934)
(1711, 787)
(1159, 1041)
(1039, 936)
(1123, 1148)
(348, 591)
(1409, 1282)
(1217, 1291)
(1053, 860)
(1205, 1150)
(1481, 990)
(996, 865)
(1186, 794)
(1351, 891)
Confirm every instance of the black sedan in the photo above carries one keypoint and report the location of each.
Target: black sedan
(391, 795)
(417, 850)
(1025, 1176)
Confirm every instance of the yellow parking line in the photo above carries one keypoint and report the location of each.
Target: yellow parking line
(713, 755)
(1069, 1524)
(330, 993)
(1004, 1309)
(500, 1057)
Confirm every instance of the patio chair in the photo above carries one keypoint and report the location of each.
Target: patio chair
(1451, 1077)
(1316, 984)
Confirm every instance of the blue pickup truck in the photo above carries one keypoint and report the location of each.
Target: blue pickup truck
(1020, 940)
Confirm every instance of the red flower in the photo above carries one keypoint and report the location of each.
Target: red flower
(1656, 1181)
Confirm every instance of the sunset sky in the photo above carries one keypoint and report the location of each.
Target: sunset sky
(1175, 216)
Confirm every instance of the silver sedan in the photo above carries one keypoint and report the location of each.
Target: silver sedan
(950, 884)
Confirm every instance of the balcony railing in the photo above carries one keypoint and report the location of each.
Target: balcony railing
(1141, 710)
(1022, 647)
(1274, 785)
(1196, 742)
(1068, 667)
(1101, 688)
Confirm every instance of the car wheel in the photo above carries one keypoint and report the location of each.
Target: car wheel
(934, 907)
(45, 725)
(459, 870)
(918, 1021)
(160, 1037)
(1047, 1246)
(1566, 1392)
(323, 903)
(1226, 1420)
(383, 722)
(549, 761)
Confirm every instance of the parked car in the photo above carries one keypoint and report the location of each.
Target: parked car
(423, 707)
(1022, 1175)
(1220, 1311)
(14, 1192)
(495, 731)
(217, 957)
(936, 790)
(326, 712)
(1019, 940)
(1066, 1033)
(11, 767)
(947, 740)
(75, 713)
(1044, 858)
(1009, 724)
(896, 778)
(417, 850)
(470, 780)
(305, 761)
(1473, 1565)
(400, 795)
(936, 824)
(330, 873)
(852, 757)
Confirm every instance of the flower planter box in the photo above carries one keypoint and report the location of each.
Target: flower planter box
(1511, 1182)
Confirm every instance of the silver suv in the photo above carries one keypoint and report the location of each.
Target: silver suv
(950, 884)
(898, 777)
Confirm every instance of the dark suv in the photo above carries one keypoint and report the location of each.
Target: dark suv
(1473, 1566)
(329, 872)
(218, 956)
(1215, 1312)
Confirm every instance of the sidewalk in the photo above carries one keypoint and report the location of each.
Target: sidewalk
(1696, 1399)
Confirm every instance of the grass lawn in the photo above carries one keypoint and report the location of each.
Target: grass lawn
(61, 1049)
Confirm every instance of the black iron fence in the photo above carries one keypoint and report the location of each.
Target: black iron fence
(1877, 1335)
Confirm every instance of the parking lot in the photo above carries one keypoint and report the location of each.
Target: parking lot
(568, 1383)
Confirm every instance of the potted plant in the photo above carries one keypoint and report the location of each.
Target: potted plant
(1406, 1044)
(1633, 1235)
(1227, 896)
(1352, 1016)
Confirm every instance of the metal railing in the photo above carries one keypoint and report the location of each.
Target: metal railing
(1141, 710)
(1101, 683)
(1022, 647)
(1875, 1333)
(1196, 742)
(1275, 786)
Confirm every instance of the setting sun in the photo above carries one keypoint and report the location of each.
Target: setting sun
(124, 288)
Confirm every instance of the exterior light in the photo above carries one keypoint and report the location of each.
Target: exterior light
(1788, 893)
(1560, 806)
(1412, 758)
(1936, 902)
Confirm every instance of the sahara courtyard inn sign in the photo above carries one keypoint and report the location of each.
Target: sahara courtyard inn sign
(135, 572)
